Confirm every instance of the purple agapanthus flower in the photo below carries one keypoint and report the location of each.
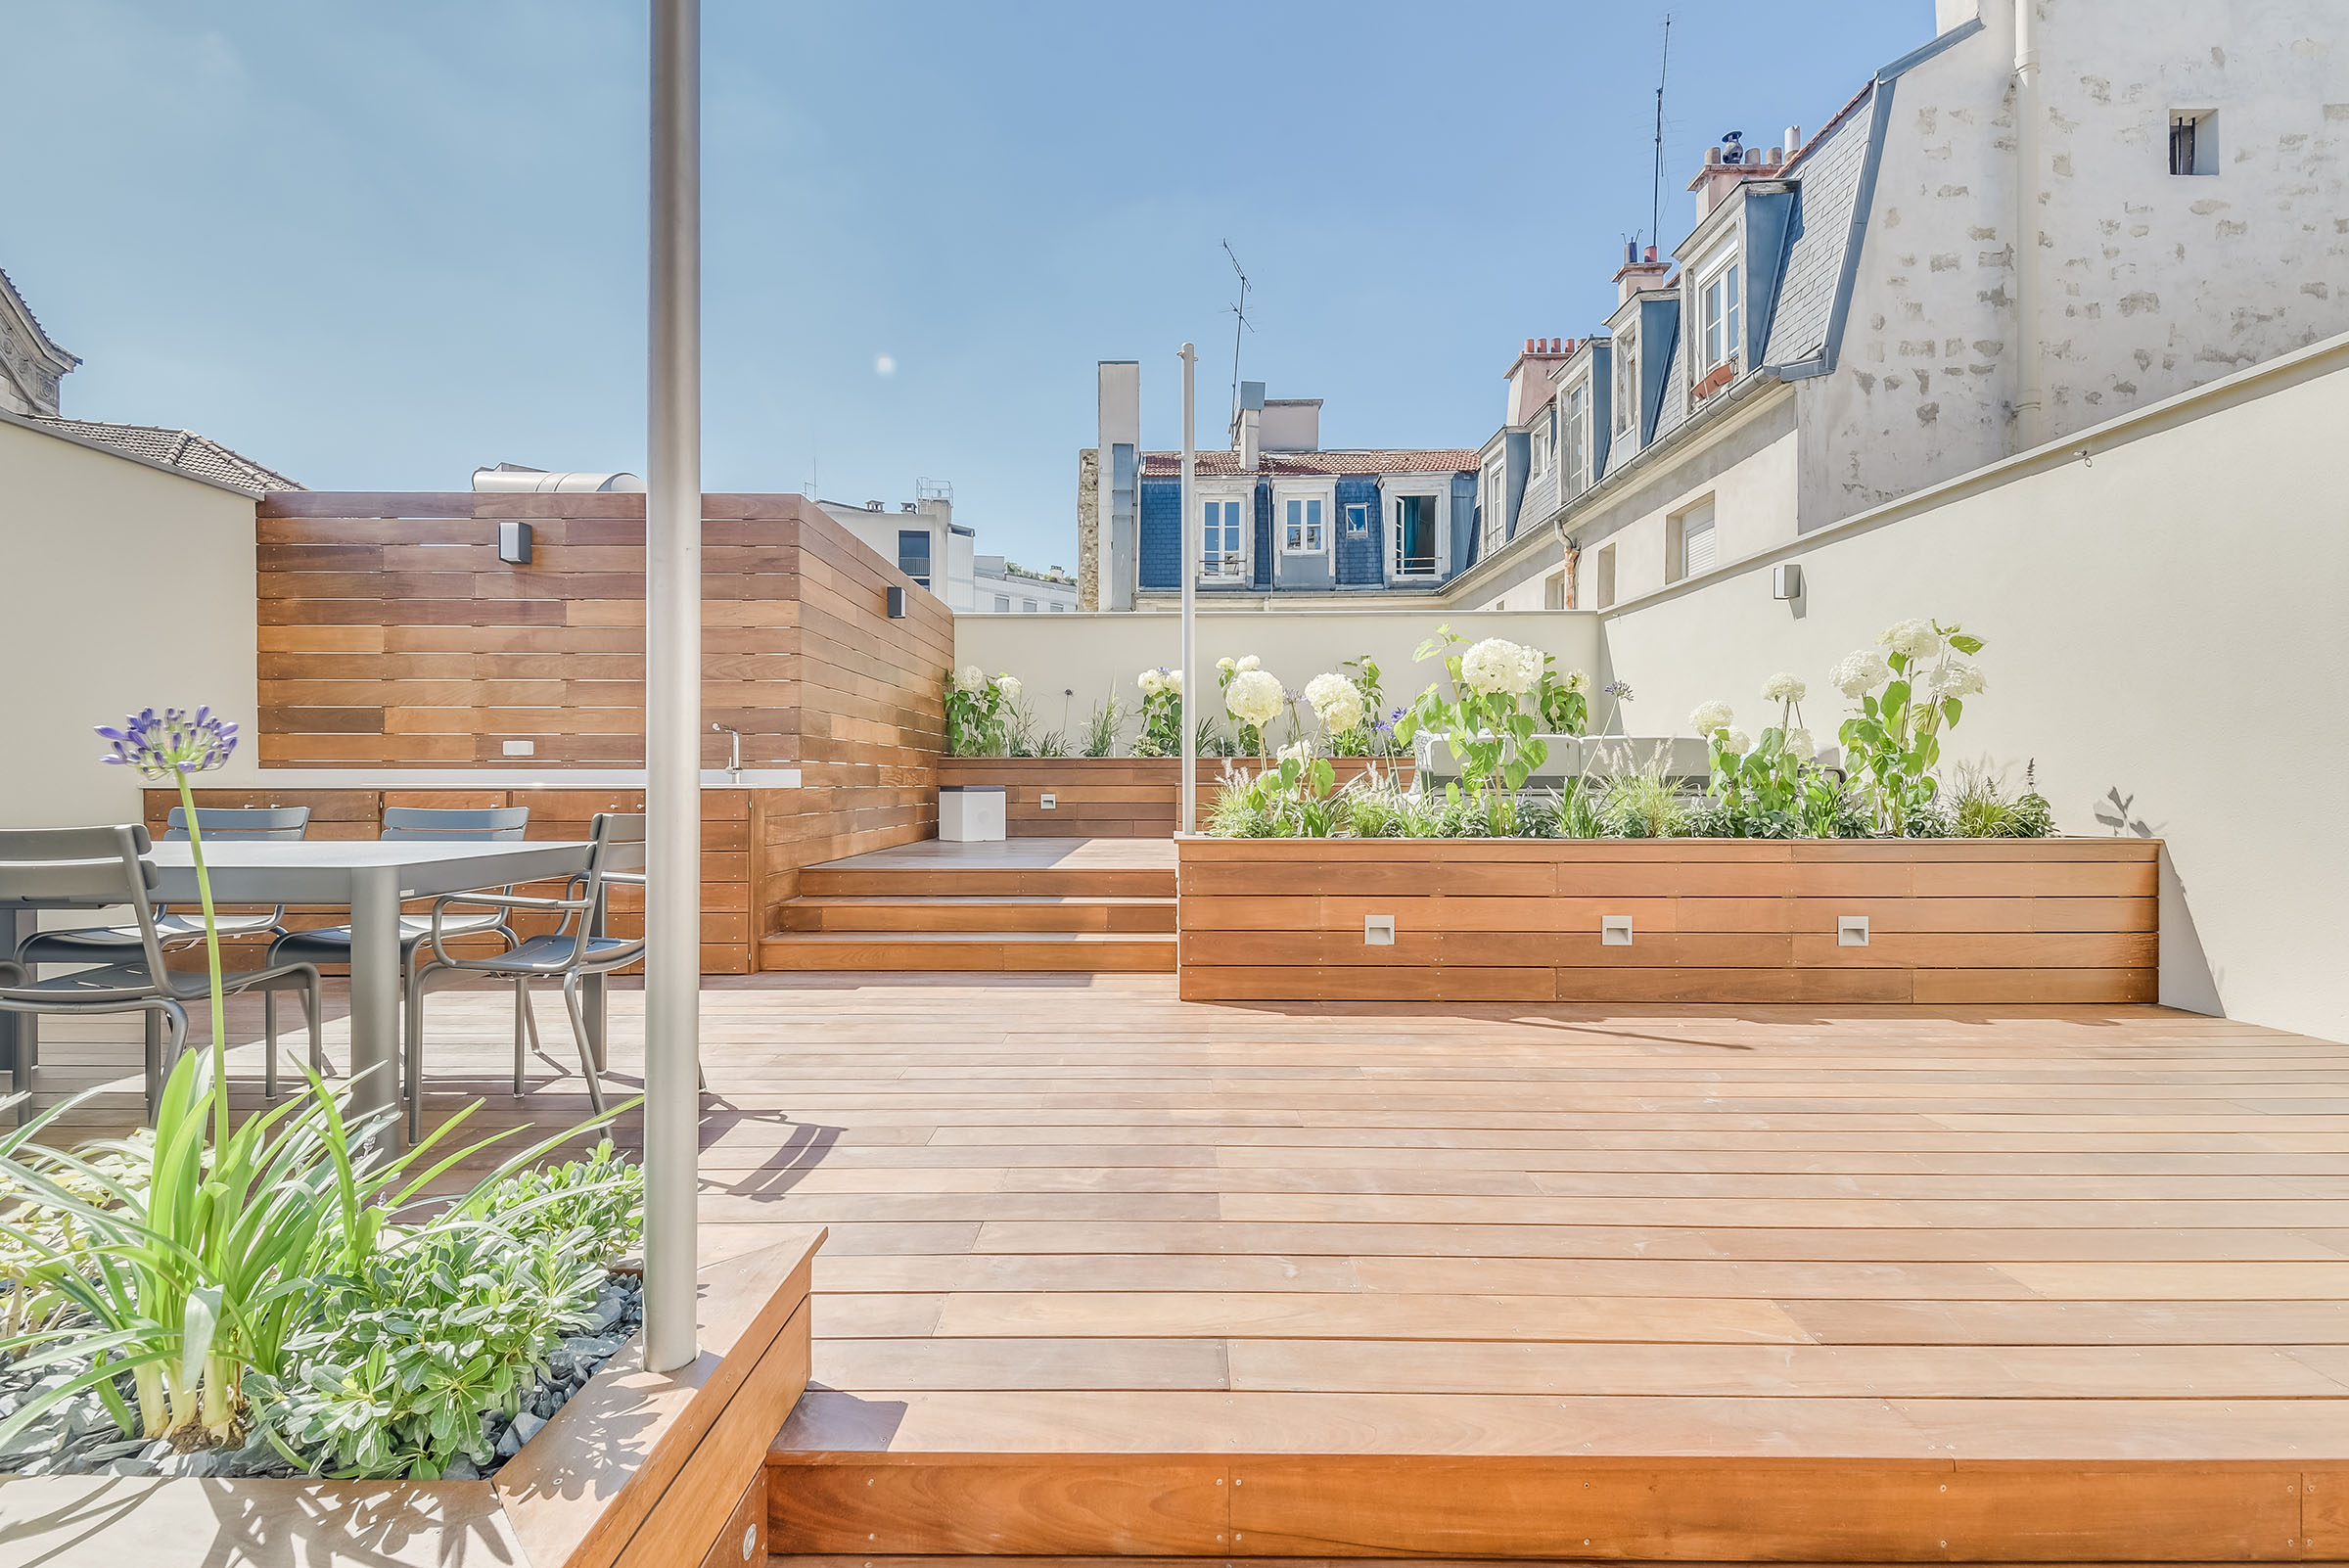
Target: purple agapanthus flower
(166, 745)
(1621, 690)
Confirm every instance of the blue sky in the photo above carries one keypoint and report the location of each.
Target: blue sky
(376, 245)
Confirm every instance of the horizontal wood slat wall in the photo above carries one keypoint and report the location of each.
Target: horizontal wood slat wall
(1109, 797)
(1951, 921)
(391, 635)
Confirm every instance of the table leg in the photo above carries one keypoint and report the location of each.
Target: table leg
(375, 996)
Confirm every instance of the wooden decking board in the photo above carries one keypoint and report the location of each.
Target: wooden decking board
(1419, 1274)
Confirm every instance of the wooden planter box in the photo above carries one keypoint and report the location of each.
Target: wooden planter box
(1110, 797)
(636, 1470)
(1713, 920)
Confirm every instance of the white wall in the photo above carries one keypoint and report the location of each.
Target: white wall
(2164, 622)
(1095, 655)
(126, 587)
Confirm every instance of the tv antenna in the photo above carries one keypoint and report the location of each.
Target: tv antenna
(1655, 189)
(1239, 324)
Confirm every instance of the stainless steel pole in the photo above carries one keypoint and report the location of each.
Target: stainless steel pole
(1193, 702)
(673, 695)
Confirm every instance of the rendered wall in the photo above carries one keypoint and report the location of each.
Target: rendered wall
(2165, 639)
(126, 587)
(1093, 655)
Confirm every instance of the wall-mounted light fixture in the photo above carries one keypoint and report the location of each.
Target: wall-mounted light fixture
(896, 604)
(514, 542)
(1786, 581)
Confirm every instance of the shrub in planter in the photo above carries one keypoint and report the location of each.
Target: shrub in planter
(979, 713)
(1162, 713)
(1910, 687)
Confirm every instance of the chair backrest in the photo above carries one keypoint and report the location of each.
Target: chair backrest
(233, 824)
(619, 844)
(92, 865)
(491, 824)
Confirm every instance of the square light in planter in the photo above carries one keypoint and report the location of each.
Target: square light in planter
(1378, 931)
(1614, 931)
(1851, 931)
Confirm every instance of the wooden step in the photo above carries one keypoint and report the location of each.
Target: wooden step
(1049, 882)
(962, 951)
(965, 912)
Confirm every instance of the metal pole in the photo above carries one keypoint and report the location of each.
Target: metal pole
(1193, 705)
(673, 695)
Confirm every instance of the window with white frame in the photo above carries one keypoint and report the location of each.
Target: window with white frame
(1300, 526)
(1538, 443)
(1718, 313)
(1626, 377)
(1417, 546)
(1357, 521)
(1495, 504)
(1572, 444)
(1222, 540)
(1692, 547)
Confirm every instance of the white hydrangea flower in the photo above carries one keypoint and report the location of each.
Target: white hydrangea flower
(1245, 664)
(1784, 688)
(1172, 680)
(1336, 701)
(1957, 677)
(1711, 719)
(970, 677)
(1294, 751)
(1497, 665)
(1736, 741)
(1227, 666)
(1254, 698)
(1151, 681)
(1860, 673)
(1800, 744)
(1008, 686)
(1578, 681)
(1916, 638)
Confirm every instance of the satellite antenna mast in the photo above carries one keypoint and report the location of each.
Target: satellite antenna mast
(1239, 324)
(1655, 189)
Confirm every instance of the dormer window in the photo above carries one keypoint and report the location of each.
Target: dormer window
(1544, 434)
(1719, 314)
(1301, 530)
(1573, 444)
(1626, 377)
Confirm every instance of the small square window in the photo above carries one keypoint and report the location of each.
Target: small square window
(1357, 521)
(2193, 142)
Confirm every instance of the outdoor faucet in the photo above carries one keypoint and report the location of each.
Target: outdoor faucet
(734, 755)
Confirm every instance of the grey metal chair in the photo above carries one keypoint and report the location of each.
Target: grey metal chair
(570, 953)
(330, 944)
(98, 945)
(109, 865)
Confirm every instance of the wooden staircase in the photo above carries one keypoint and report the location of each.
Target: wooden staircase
(1093, 905)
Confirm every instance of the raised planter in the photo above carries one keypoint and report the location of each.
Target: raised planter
(636, 1470)
(1110, 797)
(1712, 920)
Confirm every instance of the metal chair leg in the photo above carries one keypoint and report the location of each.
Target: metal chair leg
(522, 1026)
(152, 1019)
(313, 1008)
(269, 1044)
(579, 1031)
(412, 1063)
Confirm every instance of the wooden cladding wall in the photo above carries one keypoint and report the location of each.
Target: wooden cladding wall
(1108, 797)
(392, 636)
(1713, 920)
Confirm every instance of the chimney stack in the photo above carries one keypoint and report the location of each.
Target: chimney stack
(1730, 166)
(1247, 425)
(1639, 272)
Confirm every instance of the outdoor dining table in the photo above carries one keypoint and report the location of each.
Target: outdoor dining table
(370, 878)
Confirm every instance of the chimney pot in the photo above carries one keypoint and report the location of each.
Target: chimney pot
(1651, 255)
(1794, 137)
(1712, 155)
(1529, 345)
(1777, 155)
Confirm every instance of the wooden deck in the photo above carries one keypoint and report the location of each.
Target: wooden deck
(1112, 1274)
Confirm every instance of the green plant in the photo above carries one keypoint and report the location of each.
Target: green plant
(1638, 801)
(1162, 713)
(980, 713)
(1980, 806)
(1578, 811)
(1563, 701)
(1484, 718)
(1830, 808)
(1101, 727)
(1908, 694)
(411, 1350)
